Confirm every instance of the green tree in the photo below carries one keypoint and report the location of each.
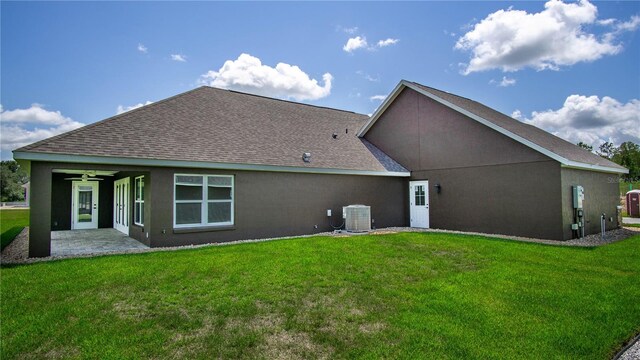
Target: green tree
(607, 150)
(628, 155)
(12, 177)
(585, 146)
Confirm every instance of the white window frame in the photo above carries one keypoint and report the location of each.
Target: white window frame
(204, 202)
(137, 199)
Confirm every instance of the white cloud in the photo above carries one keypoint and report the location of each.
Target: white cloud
(247, 73)
(355, 43)
(20, 127)
(179, 57)
(506, 81)
(36, 115)
(590, 119)
(360, 42)
(517, 114)
(630, 25)
(143, 49)
(387, 42)
(620, 27)
(368, 76)
(121, 109)
(511, 40)
(606, 22)
(348, 30)
(378, 97)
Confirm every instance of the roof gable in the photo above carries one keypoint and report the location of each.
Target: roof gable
(567, 154)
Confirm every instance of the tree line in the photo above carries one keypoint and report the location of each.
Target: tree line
(12, 177)
(627, 155)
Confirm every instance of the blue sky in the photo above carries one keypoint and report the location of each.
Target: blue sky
(570, 68)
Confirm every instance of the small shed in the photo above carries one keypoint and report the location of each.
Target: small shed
(633, 203)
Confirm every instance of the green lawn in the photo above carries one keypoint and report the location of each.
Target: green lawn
(11, 223)
(403, 295)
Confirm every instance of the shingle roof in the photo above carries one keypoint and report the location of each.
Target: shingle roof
(223, 126)
(541, 138)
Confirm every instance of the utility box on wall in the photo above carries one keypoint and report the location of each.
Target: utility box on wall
(578, 211)
(578, 196)
(633, 203)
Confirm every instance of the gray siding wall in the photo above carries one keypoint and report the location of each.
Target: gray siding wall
(60, 202)
(267, 204)
(499, 199)
(40, 210)
(602, 195)
(422, 134)
(490, 183)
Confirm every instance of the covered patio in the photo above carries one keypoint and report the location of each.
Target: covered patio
(92, 241)
(83, 209)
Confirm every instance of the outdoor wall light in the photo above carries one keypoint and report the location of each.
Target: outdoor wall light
(306, 157)
(438, 188)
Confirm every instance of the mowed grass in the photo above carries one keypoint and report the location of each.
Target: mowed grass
(406, 295)
(11, 223)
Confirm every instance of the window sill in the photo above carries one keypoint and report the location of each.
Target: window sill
(203, 229)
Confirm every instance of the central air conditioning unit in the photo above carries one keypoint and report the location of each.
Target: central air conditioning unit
(357, 218)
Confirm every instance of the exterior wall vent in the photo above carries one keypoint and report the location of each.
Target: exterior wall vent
(357, 218)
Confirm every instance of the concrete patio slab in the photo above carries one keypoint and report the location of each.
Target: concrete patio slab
(630, 220)
(94, 241)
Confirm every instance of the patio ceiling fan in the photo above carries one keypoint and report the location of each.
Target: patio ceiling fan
(85, 177)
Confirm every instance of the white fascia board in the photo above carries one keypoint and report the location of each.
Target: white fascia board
(107, 160)
(600, 168)
(563, 161)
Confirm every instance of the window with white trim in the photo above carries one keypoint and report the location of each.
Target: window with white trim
(138, 208)
(202, 200)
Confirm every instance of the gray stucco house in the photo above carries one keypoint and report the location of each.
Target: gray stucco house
(212, 165)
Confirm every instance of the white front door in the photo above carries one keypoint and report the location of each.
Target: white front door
(121, 205)
(84, 205)
(419, 203)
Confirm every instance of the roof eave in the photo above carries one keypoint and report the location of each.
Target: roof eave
(562, 160)
(599, 168)
(108, 160)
